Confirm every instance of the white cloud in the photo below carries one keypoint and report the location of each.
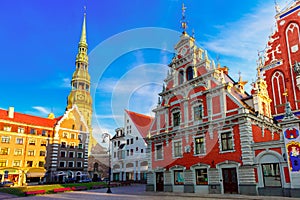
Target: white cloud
(66, 83)
(244, 37)
(42, 110)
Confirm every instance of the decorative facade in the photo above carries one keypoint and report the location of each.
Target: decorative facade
(67, 152)
(210, 136)
(129, 159)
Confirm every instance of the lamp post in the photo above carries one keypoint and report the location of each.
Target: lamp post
(104, 136)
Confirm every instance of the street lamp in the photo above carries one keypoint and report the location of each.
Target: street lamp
(105, 136)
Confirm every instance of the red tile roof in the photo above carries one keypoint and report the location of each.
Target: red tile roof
(28, 119)
(142, 122)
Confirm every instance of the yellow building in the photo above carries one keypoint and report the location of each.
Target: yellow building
(67, 156)
(24, 141)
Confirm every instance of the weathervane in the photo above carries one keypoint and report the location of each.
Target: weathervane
(183, 19)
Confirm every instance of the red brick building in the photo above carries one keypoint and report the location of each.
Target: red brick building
(210, 136)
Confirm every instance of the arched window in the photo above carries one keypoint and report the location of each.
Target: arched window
(278, 88)
(180, 77)
(96, 165)
(190, 73)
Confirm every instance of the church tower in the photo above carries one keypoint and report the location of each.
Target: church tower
(80, 93)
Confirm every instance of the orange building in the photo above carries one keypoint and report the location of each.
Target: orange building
(24, 141)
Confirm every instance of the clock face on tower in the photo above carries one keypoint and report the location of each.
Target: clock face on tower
(80, 97)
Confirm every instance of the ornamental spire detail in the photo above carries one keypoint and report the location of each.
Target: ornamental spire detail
(183, 19)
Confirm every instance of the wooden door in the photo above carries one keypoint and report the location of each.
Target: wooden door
(230, 183)
(159, 181)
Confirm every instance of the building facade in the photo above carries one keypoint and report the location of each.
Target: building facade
(128, 147)
(210, 136)
(24, 141)
(67, 152)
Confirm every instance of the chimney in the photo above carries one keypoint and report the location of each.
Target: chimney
(11, 112)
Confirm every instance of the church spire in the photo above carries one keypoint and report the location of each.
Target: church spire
(82, 41)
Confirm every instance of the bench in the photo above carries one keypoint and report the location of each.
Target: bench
(34, 192)
(79, 188)
(56, 190)
(98, 186)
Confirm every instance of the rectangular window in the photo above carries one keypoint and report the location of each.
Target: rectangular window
(131, 152)
(127, 141)
(80, 146)
(21, 130)
(79, 155)
(177, 147)
(227, 141)
(136, 138)
(199, 145)
(159, 152)
(4, 151)
(44, 143)
(136, 149)
(42, 153)
(41, 164)
(72, 145)
(62, 164)
(72, 136)
(33, 131)
(3, 163)
(271, 174)
(201, 177)
(31, 142)
(44, 133)
(198, 110)
(29, 163)
(79, 164)
(71, 154)
(115, 154)
(5, 139)
(178, 177)
(30, 152)
(176, 119)
(80, 137)
(16, 163)
(18, 152)
(70, 164)
(127, 152)
(142, 150)
(131, 140)
(63, 144)
(7, 128)
(19, 141)
(65, 135)
(63, 154)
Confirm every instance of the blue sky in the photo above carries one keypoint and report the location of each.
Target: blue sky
(130, 44)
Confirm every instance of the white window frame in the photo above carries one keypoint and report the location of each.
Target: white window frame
(73, 154)
(79, 153)
(64, 152)
(70, 162)
(62, 162)
(162, 151)
(204, 143)
(20, 139)
(20, 163)
(173, 148)
(6, 138)
(80, 164)
(220, 141)
(173, 111)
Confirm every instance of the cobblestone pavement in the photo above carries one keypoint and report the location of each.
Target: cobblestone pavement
(136, 192)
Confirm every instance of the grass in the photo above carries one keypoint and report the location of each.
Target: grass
(19, 191)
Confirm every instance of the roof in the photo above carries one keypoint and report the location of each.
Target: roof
(142, 122)
(28, 119)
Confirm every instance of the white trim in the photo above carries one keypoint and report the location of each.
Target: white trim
(162, 151)
(220, 140)
(289, 54)
(173, 149)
